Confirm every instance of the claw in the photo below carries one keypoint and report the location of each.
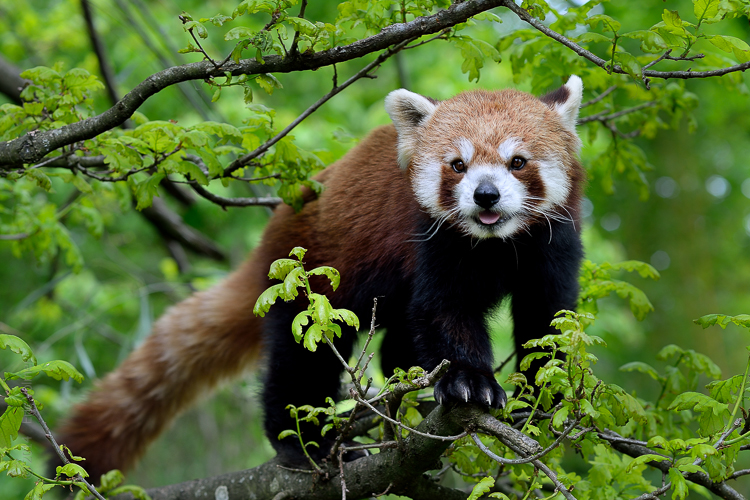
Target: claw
(466, 394)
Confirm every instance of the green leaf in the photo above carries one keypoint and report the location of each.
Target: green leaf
(71, 470)
(280, 268)
(136, 491)
(679, 484)
(313, 335)
(644, 459)
(10, 422)
(332, 274)
(639, 366)
(482, 487)
(267, 299)
(18, 346)
(298, 252)
(742, 320)
(706, 9)
(560, 416)
(629, 63)
(302, 319)
(147, 189)
(740, 48)
(322, 311)
(38, 491)
(347, 317)
(608, 24)
(292, 281)
(593, 37)
(57, 369)
(286, 433)
(268, 82)
(40, 178)
(110, 480)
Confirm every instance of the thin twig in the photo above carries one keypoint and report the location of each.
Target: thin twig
(599, 97)
(525, 16)
(264, 201)
(51, 438)
(245, 159)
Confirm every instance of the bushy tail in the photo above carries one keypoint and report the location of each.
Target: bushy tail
(208, 337)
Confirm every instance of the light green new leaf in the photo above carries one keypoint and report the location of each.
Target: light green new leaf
(706, 9)
(286, 433)
(332, 274)
(322, 311)
(38, 492)
(482, 487)
(110, 480)
(292, 281)
(18, 346)
(593, 37)
(280, 268)
(313, 335)
(304, 26)
(302, 319)
(57, 369)
(347, 317)
(268, 82)
(71, 470)
(298, 252)
(10, 422)
(267, 299)
(559, 419)
(679, 484)
(644, 459)
(608, 24)
(740, 48)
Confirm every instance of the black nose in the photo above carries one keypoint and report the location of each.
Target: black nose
(486, 195)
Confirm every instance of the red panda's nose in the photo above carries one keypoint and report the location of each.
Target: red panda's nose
(486, 195)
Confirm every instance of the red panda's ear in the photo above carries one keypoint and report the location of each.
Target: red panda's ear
(409, 111)
(566, 101)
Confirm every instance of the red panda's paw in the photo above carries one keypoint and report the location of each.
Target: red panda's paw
(470, 386)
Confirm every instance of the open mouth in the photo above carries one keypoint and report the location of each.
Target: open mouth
(488, 218)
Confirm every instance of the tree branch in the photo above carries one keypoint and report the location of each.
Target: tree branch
(605, 64)
(33, 146)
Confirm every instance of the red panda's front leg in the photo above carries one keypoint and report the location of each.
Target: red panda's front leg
(453, 328)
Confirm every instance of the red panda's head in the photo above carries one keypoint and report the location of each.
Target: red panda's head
(492, 163)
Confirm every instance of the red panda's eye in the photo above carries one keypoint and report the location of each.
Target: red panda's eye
(517, 163)
(458, 166)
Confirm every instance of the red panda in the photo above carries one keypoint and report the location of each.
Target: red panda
(458, 205)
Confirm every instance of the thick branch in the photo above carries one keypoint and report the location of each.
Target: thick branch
(34, 146)
(400, 471)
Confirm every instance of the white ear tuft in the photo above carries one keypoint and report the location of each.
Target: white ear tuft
(566, 101)
(408, 111)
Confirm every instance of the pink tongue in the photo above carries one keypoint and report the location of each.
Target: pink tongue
(488, 217)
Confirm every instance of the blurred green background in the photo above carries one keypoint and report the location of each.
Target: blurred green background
(694, 226)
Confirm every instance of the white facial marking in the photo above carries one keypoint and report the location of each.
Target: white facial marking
(465, 149)
(556, 183)
(507, 148)
(426, 184)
